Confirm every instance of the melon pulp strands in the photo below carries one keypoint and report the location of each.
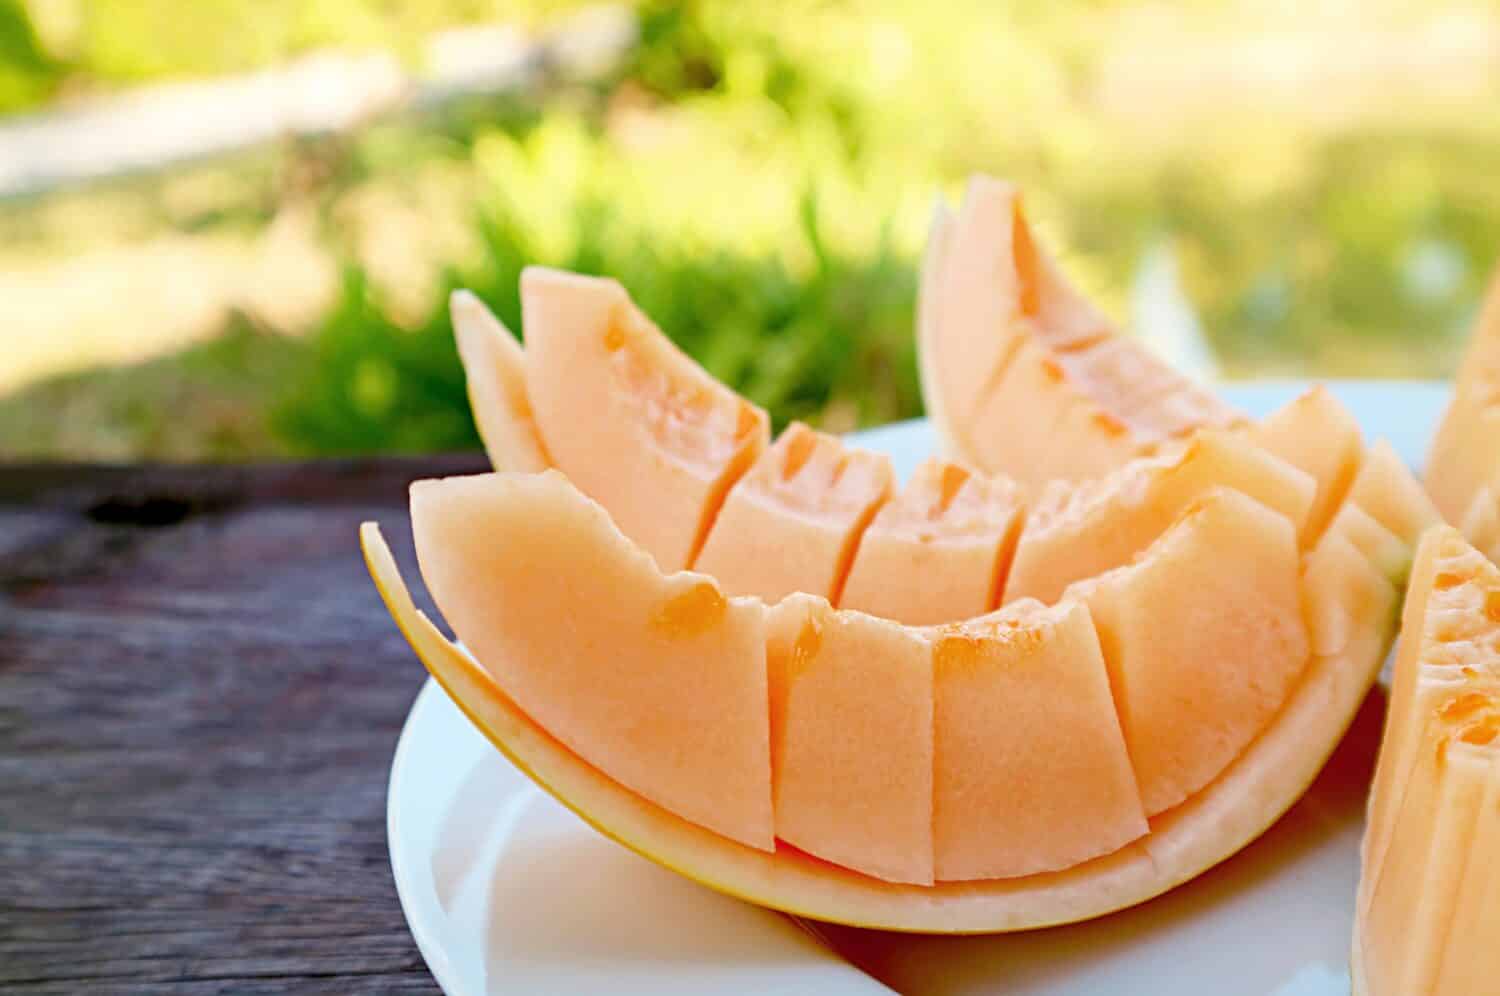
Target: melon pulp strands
(1231, 812)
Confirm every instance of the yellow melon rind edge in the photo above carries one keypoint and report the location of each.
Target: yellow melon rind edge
(1275, 770)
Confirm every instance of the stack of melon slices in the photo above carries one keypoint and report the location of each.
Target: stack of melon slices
(968, 704)
(1463, 467)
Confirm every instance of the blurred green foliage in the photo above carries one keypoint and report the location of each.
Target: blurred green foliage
(760, 178)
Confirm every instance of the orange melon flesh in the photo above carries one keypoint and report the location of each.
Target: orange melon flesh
(1429, 901)
(1032, 774)
(1235, 808)
(938, 551)
(1343, 586)
(1481, 524)
(792, 523)
(1465, 453)
(1080, 531)
(852, 738)
(495, 369)
(678, 712)
(1317, 434)
(1384, 488)
(1200, 656)
(1003, 307)
(628, 417)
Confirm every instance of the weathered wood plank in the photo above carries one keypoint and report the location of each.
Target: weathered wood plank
(199, 697)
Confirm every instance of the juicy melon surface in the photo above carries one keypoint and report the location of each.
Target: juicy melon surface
(1003, 307)
(1032, 774)
(792, 523)
(1078, 531)
(495, 371)
(1317, 434)
(852, 738)
(628, 417)
(1200, 655)
(939, 550)
(1429, 897)
(529, 575)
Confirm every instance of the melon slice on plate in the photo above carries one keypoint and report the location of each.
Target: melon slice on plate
(1465, 453)
(1003, 308)
(1078, 531)
(939, 550)
(496, 373)
(1316, 433)
(1201, 655)
(643, 701)
(852, 738)
(628, 417)
(1429, 896)
(1032, 773)
(792, 523)
(678, 713)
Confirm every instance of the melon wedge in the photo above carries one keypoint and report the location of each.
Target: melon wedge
(496, 373)
(624, 667)
(948, 537)
(628, 417)
(1200, 655)
(1429, 896)
(852, 738)
(1465, 453)
(792, 523)
(1316, 433)
(1384, 488)
(1011, 352)
(1078, 531)
(679, 715)
(1032, 772)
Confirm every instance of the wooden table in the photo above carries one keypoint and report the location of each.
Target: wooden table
(200, 693)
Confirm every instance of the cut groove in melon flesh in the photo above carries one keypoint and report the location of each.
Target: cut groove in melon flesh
(1201, 655)
(1429, 896)
(792, 523)
(495, 370)
(1226, 815)
(1003, 307)
(1078, 531)
(949, 534)
(628, 417)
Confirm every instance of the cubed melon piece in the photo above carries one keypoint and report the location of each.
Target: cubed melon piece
(632, 421)
(1200, 658)
(1343, 591)
(851, 738)
(938, 551)
(495, 370)
(1075, 533)
(1032, 773)
(1388, 491)
(1481, 523)
(658, 681)
(1316, 433)
(792, 523)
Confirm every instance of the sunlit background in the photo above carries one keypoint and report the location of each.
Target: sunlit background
(227, 227)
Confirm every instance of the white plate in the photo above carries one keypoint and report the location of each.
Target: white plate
(508, 892)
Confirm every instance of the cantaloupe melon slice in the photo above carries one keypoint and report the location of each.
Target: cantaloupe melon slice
(948, 535)
(1237, 806)
(1384, 488)
(1465, 452)
(629, 418)
(1078, 531)
(792, 523)
(1481, 523)
(1350, 578)
(679, 714)
(1316, 433)
(1200, 655)
(852, 738)
(1429, 900)
(496, 374)
(1032, 773)
(1107, 397)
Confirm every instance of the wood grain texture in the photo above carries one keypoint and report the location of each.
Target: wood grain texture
(200, 693)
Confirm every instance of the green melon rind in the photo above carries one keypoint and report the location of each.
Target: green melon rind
(1231, 812)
